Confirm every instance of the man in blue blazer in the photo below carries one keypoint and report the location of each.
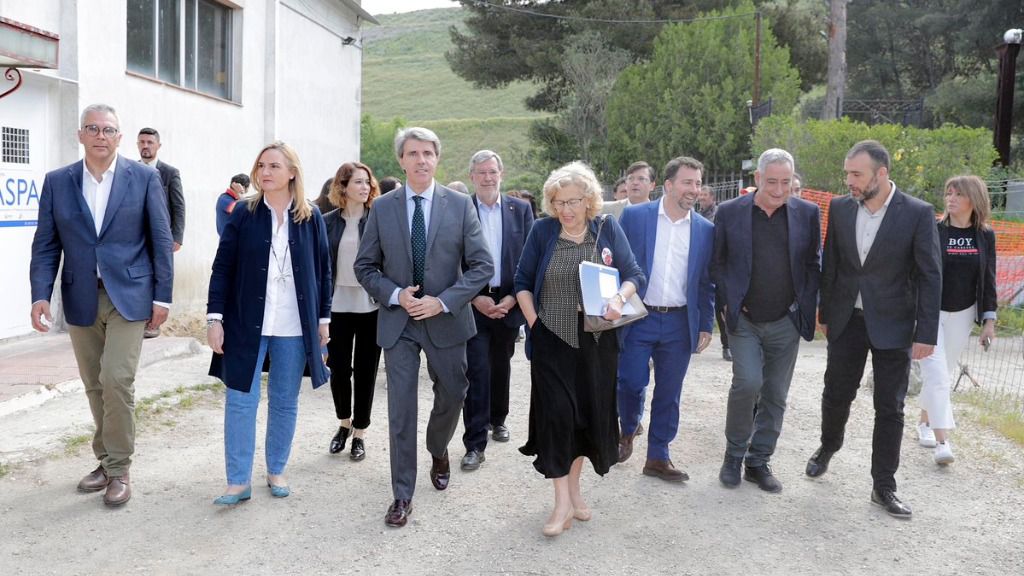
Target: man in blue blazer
(673, 245)
(424, 258)
(506, 222)
(767, 269)
(108, 217)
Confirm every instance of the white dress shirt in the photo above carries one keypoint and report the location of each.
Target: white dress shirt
(667, 286)
(490, 223)
(281, 307)
(867, 229)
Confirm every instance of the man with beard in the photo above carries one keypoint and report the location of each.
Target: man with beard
(880, 293)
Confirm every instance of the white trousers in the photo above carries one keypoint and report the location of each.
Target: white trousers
(939, 369)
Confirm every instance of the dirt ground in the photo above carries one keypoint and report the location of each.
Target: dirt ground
(968, 518)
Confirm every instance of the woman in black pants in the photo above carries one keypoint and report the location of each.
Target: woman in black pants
(353, 312)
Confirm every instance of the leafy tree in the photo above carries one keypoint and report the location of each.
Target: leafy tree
(376, 145)
(691, 97)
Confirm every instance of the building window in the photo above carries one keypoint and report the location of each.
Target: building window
(15, 145)
(182, 42)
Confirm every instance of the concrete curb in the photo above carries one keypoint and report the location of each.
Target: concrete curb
(179, 347)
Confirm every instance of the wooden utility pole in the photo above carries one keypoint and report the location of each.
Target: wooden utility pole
(1004, 96)
(836, 88)
(757, 60)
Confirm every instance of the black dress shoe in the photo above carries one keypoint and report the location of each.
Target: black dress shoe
(500, 433)
(472, 460)
(887, 499)
(338, 442)
(729, 475)
(726, 354)
(764, 478)
(440, 472)
(398, 513)
(358, 450)
(818, 464)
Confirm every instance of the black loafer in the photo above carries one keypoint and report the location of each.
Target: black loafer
(500, 433)
(887, 499)
(472, 460)
(358, 450)
(763, 477)
(818, 464)
(338, 442)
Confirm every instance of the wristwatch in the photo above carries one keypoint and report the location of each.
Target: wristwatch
(210, 321)
(621, 298)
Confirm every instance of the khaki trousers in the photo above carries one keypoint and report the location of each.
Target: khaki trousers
(107, 354)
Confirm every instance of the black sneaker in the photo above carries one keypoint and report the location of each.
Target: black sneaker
(762, 475)
(729, 475)
(887, 499)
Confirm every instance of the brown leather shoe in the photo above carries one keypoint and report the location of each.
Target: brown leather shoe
(665, 470)
(625, 447)
(94, 481)
(440, 472)
(118, 491)
(398, 513)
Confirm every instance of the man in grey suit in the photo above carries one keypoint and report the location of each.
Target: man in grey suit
(423, 256)
(881, 286)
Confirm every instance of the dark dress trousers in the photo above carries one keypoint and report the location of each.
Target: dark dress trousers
(171, 179)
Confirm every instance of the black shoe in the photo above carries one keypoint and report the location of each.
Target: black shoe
(818, 464)
(358, 450)
(887, 499)
(726, 354)
(338, 442)
(500, 433)
(440, 472)
(764, 478)
(472, 460)
(729, 475)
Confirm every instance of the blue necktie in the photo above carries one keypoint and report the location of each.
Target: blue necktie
(419, 245)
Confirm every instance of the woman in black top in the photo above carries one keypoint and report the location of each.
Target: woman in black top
(968, 296)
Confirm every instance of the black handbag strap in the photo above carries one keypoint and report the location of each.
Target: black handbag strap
(600, 225)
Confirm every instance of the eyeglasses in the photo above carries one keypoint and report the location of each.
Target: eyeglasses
(94, 130)
(636, 178)
(487, 173)
(571, 203)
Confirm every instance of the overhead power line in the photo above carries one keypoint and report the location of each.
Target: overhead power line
(529, 12)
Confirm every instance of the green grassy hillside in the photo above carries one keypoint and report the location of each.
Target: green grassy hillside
(405, 75)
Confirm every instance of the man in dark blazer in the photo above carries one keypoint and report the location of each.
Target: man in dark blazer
(505, 222)
(108, 217)
(673, 245)
(149, 146)
(424, 258)
(881, 288)
(767, 269)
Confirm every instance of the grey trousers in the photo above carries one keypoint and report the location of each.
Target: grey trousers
(447, 368)
(763, 358)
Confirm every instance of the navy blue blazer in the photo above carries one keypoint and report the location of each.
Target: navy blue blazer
(540, 246)
(133, 249)
(640, 224)
(734, 246)
(238, 288)
(516, 223)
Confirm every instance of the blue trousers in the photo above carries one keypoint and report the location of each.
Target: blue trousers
(664, 336)
(288, 360)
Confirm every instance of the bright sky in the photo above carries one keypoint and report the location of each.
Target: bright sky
(392, 6)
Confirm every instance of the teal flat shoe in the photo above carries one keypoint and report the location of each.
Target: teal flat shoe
(279, 491)
(232, 499)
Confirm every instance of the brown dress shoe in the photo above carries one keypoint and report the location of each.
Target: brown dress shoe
(440, 472)
(398, 513)
(119, 491)
(94, 481)
(665, 470)
(625, 447)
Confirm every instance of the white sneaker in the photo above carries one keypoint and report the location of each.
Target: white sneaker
(925, 435)
(944, 453)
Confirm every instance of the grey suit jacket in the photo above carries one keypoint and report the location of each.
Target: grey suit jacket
(458, 264)
(900, 281)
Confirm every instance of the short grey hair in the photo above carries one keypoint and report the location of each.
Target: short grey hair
(101, 108)
(416, 133)
(775, 156)
(483, 156)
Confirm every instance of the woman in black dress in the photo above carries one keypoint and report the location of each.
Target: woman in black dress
(572, 372)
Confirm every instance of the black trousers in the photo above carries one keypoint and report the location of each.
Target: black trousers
(723, 329)
(847, 355)
(358, 332)
(488, 360)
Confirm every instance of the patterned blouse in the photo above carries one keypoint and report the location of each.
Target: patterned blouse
(560, 296)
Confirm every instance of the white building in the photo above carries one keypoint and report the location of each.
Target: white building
(217, 78)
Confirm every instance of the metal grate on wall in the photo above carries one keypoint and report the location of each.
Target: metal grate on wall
(14, 142)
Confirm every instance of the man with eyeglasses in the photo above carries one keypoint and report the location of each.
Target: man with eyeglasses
(506, 223)
(673, 245)
(640, 182)
(107, 216)
(149, 145)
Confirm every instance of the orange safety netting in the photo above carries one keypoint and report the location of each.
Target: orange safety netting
(1009, 249)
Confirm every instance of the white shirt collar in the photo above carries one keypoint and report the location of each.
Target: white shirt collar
(427, 194)
(484, 205)
(109, 172)
(661, 212)
(149, 162)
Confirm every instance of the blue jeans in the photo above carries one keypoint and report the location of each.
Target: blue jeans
(288, 360)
